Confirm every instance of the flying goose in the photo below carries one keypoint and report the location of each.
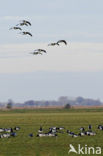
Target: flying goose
(22, 24)
(60, 41)
(26, 22)
(15, 28)
(40, 50)
(36, 53)
(27, 33)
(53, 44)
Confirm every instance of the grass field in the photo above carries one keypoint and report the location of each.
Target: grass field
(30, 121)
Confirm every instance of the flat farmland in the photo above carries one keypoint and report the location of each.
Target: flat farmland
(30, 121)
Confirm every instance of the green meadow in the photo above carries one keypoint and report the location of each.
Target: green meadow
(30, 121)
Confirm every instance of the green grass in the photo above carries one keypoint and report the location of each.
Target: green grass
(30, 121)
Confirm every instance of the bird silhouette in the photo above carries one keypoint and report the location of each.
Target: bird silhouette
(15, 28)
(26, 22)
(53, 44)
(26, 33)
(36, 53)
(40, 50)
(60, 41)
(22, 24)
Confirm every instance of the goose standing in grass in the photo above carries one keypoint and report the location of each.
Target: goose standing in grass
(61, 128)
(53, 129)
(46, 135)
(75, 135)
(13, 134)
(90, 127)
(100, 127)
(70, 133)
(8, 130)
(62, 41)
(40, 130)
(42, 134)
(31, 135)
(81, 134)
(52, 134)
(90, 133)
(2, 129)
(17, 128)
(6, 135)
(82, 129)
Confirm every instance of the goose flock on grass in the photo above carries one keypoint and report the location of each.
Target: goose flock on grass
(51, 132)
(19, 27)
(8, 132)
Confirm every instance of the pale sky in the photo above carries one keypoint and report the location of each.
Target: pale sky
(72, 70)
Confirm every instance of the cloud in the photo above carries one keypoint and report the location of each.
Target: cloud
(76, 57)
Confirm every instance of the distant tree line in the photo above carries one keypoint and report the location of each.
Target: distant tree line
(62, 101)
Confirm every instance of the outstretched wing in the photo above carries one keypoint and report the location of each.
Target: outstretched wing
(19, 28)
(29, 34)
(62, 41)
(27, 22)
(42, 50)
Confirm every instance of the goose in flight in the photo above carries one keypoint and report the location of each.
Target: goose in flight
(53, 44)
(36, 53)
(26, 33)
(22, 24)
(15, 28)
(60, 41)
(26, 22)
(40, 50)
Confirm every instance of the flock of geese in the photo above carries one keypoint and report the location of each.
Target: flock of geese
(8, 132)
(37, 51)
(51, 132)
(54, 131)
